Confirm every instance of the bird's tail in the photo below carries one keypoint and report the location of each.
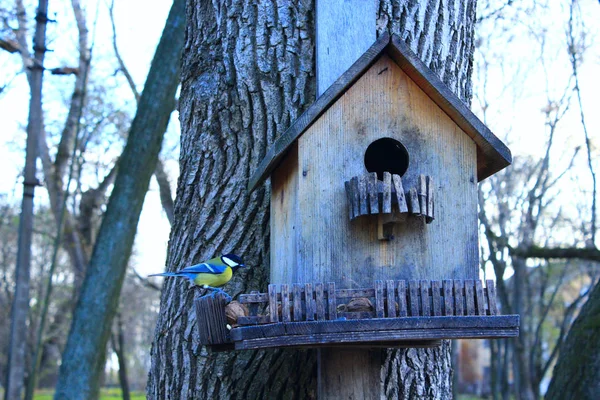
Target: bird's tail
(169, 274)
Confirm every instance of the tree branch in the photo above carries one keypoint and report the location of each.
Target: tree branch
(590, 254)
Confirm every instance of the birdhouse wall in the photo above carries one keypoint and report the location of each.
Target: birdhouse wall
(312, 238)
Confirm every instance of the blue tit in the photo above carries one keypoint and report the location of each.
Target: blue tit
(210, 274)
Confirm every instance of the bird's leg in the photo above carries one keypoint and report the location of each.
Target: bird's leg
(218, 290)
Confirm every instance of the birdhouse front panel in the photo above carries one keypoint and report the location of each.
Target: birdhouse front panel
(313, 239)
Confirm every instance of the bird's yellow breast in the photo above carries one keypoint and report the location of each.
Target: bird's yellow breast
(214, 280)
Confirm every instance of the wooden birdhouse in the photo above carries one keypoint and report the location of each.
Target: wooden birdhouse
(374, 203)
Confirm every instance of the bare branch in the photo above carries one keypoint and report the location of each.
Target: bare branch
(590, 254)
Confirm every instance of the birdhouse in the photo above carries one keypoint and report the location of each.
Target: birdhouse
(374, 235)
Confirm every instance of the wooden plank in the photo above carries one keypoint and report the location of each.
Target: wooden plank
(491, 297)
(375, 324)
(422, 193)
(458, 297)
(211, 319)
(391, 298)
(470, 296)
(402, 309)
(331, 301)
(400, 198)
(479, 302)
(413, 202)
(363, 190)
(430, 193)
(436, 297)
(320, 301)
(386, 207)
(425, 299)
(379, 300)
(285, 303)
(348, 293)
(350, 197)
(256, 297)
(355, 196)
(296, 288)
(309, 302)
(448, 297)
(413, 298)
(273, 315)
(252, 307)
(373, 192)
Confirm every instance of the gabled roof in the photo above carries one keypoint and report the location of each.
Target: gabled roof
(492, 154)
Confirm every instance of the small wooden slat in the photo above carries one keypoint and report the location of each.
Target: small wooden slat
(402, 310)
(252, 307)
(386, 207)
(285, 303)
(363, 194)
(256, 297)
(331, 301)
(373, 192)
(391, 298)
(309, 303)
(470, 296)
(413, 299)
(212, 322)
(320, 301)
(436, 297)
(296, 288)
(425, 299)
(379, 300)
(422, 193)
(458, 297)
(273, 314)
(448, 298)
(355, 196)
(491, 297)
(413, 202)
(350, 197)
(401, 199)
(430, 208)
(479, 302)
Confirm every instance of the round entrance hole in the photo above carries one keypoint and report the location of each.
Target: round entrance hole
(386, 154)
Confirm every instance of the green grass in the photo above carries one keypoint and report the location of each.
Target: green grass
(105, 394)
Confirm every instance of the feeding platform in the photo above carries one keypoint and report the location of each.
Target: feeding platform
(392, 314)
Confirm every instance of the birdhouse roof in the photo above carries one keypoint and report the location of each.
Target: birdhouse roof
(492, 154)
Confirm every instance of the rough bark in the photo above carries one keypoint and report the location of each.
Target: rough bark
(577, 371)
(247, 74)
(20, 305)
(84, 355)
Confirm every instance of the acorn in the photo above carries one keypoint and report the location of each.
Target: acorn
(234, 310)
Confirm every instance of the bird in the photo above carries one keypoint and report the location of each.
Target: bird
(210, 274)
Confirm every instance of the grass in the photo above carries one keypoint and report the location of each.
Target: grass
(105, 394)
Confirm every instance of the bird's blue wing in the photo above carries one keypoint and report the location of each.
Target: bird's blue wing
(205, 268)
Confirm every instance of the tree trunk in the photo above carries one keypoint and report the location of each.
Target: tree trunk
(84, 355)
(118, 345)
(20, 306)
(248, 72)
(577, 371)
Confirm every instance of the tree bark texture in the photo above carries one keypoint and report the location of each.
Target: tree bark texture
(84, 356)
(20, 305)
(247, 74)
(577, 371)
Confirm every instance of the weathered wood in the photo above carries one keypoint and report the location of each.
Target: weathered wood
(363, 193)
(375, 324)
(430, 201)
(252, 307)
(470, 296)
(285, 303)
(387, 193)
(491, 297)
(350, 198)
(479, 302)
(402, 309)
(422, 194)
(297, 298)
(273, 314)
(413, 202)
(320, 301)
(413, 299)
(458, 297)
(399, 190)
(355, 196)
(309, 302)
(436, 297)
(425, 299)
(379, 300)
(494, 155)
(373, 192)
(391, 298)
(331, 301)
(448, 297)
(211, 319)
